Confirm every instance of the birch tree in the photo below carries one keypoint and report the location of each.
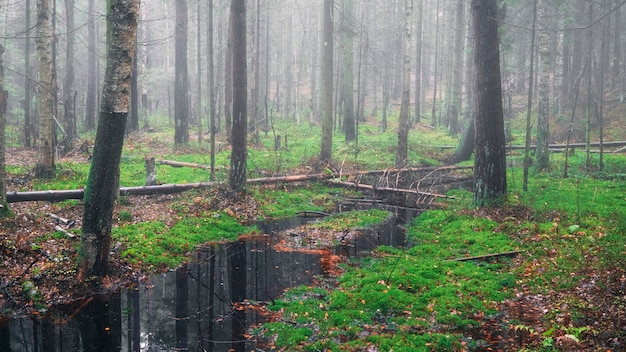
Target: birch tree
(102, 185)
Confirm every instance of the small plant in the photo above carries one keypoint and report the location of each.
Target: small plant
(125, 216)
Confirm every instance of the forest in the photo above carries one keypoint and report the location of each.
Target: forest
(314, 175)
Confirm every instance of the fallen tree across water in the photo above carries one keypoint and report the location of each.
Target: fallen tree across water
(60, 195)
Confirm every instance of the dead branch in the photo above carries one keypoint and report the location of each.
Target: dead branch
(486, 256)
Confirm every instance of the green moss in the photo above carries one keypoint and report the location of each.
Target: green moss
(152, 244)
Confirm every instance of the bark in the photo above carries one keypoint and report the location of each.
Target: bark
(529, 100)
(348, 72)
(403, 122)
(228, 82)
(199, 107)
(466, 146)
(239, 153)
(181, 88)
(211, 87)
(327, 82)
(70, 106)
(28, 129)
(490, 160)
(418, 62)
(103, 181)
(4, 206)
(45, 163)
(457, 68)
(92, 73)
(543, 113)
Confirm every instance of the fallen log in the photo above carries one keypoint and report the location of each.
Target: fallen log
(62, 220)
(174, 163)
(486, 256)
(60, 195)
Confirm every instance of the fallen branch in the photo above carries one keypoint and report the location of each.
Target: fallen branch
(390, 189)
(62, 220)
(486, 256)
(64, 231)
(183, 164)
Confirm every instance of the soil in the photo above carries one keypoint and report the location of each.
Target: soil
(50, 266)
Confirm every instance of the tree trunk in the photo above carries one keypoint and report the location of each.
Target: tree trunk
(211, 87)
(228, 81)
(92, 73)
(529, 102)
(348, 72)
(45, 164)
(103, 181)
(239, 154)
(28, 128)
(4, 206)
(70, 113)
(181, 88)
(199, 108)
(418, 62)
(543, 113)
(327, 82)
(403, 121)
(490, 160)
(457, 68)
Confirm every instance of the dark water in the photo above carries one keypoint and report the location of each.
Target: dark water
(190, 309)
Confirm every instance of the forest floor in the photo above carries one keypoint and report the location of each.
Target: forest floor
(37, 274)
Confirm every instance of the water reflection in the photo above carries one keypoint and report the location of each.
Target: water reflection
(190, 309)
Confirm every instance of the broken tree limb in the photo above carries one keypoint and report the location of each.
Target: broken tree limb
(174, 163)
(390, 189)
(64, 231)
(62, 220)
(487, 256)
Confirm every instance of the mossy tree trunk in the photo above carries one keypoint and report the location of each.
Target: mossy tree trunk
(239, 154)
(490, 160)
(45, 163)
(103, 181)
(92, 72)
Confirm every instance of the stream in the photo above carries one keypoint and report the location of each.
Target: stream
(198, 307)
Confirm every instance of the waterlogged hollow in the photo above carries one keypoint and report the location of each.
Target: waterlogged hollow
(207, 305)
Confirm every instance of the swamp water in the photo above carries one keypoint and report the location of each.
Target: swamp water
(199, 307)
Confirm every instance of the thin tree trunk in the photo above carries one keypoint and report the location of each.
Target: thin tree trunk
(327, 82)
(529, 103)
(239, 154)
(199, 107)
(69, 89)
(543, 113)
(418, 62)
(28, 128)
(403, 122)
(181, 87)
(92, 73)
(348, 72)
(4, 206)
(211, 87)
